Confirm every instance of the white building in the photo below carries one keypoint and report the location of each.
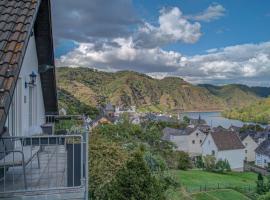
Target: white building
(250, 146)
(188, 140)
(225, 146)
(262, 154)
(27, 95)
(27, 83)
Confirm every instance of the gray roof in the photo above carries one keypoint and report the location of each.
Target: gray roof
(109, 107)
(167, 132)
(264, 148)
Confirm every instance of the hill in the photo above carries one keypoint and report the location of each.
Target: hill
(94, 88)
(257, 112)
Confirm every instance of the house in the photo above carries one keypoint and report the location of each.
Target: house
(250, 146)
(120, 110)
(225, 146)
(109, 110)
(31, 161)
(262, 154)
(188, 140)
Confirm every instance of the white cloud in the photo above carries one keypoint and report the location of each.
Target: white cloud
(173, 27)
(213, 12)
(238, 63)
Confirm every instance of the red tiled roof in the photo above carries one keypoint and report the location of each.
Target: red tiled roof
(16, 23)
(227, 140)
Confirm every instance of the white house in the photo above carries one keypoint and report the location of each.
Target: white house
(27, 72)
(225, 146)
(250, 146)
(188, 140)
(262, 154)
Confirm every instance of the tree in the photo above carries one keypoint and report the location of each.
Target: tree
(199, 162)
(260, 185)
(264, 197)
(209, 162)
(105, 159)
(183, 161)
(135, 182)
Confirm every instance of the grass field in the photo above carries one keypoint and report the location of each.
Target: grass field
(225, 194)
(194, 179)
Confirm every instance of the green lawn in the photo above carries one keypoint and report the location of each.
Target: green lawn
(194, 179)
(219, 195)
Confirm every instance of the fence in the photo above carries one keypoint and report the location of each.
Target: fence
(209, 187)
(45, 162)
(257, 169)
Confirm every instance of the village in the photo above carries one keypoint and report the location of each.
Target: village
(242, 147)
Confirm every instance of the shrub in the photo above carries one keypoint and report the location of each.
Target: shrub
(135, 182)
(183, 161)
(264, 197)
(209, 162)
(199, 162)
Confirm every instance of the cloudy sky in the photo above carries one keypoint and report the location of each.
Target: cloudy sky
(201, 41)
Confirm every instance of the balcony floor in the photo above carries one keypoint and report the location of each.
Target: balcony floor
(51, 175)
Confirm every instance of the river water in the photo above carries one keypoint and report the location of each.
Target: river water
(215, 119)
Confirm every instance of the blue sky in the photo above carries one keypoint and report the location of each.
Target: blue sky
(165, 38)
(245, 21)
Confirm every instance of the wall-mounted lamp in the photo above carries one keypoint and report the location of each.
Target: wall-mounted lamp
(32, 81)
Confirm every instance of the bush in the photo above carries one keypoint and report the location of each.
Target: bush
(264, 197)
(135, 182)
(183, 161)
(209, 162)
(222, 166)
(199, 162)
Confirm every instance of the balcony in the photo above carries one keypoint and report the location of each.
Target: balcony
(50, 166)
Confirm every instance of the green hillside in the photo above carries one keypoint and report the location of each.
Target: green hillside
(94, 88)
(257, 112)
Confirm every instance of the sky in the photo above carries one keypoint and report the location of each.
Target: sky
(203, 41)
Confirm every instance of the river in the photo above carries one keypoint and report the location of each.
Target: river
(215, 119)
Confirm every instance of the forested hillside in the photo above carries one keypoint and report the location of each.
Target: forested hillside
(94, 88)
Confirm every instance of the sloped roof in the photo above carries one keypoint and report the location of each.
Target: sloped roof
(264, 148)
(167, 132)
(18, 18)
(227, 140)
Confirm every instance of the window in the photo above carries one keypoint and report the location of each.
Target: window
(264, 161)
(246, 144)
(197, 134)
(200, 141)
(245, 158)
(246, 151)
(193, 141)
(213, 152)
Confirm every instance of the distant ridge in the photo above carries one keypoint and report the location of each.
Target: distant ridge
(95, 88)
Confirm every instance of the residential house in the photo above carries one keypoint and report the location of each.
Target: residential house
(109, 110)
(188, 140)
(225, 146)
(262, 154)
(120, 110)
(250, 146)
(32, 163)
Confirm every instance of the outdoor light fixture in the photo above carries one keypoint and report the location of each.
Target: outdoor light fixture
(32, 81)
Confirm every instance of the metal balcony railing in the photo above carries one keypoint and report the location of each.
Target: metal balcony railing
(46, 162)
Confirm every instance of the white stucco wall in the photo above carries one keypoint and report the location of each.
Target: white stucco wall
(262, 160)
(234, 157)
(181, 142)
(208, 146)
(197, 137)
(21, 96)
(250, 146)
